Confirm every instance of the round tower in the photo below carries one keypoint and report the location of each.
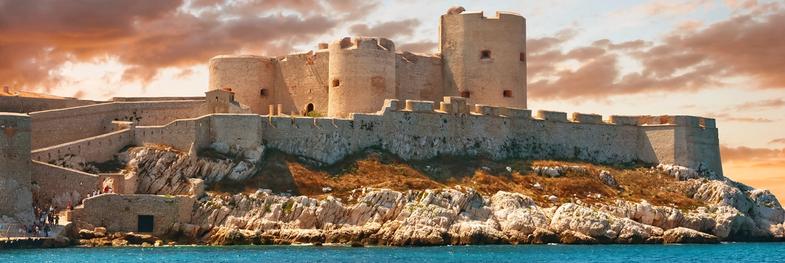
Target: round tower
(361, 75)
(16, 198)
(484, 58)
(251, 78)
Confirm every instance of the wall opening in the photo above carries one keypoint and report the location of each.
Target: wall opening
(466, 94)
(485, 54)
(507, 93)
(308, 109)
(146, 223)
(523, 57)
(336, 82)
(263, 92)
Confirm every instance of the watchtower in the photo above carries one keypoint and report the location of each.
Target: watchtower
(484, 58)
(251, 78)
(361, 75)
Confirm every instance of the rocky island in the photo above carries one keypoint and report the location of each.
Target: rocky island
(360, 144)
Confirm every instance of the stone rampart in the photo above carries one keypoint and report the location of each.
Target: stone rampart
(490, 131)
(180, 134)
(60, 186)
(59, 126)
(99, 148)
(28, 104)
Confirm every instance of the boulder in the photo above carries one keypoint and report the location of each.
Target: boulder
(572, 237)
(686, 235)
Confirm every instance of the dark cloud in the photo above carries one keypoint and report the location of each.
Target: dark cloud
(745, 45)
(41, 35)
(777, 141)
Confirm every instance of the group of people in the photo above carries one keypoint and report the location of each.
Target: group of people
(44, 220)
(106, 190)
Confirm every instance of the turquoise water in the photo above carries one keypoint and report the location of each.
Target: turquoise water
(739, 252)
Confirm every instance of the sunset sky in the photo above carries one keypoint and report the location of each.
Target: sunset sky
(721, 59)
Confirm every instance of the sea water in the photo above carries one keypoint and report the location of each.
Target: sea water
(731, 252)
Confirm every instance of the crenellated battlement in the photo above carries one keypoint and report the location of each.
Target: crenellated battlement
(459, 105)
(498, 15)
(373, 43)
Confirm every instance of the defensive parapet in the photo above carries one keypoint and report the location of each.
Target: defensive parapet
(362, 74)
(16, 199)
(484, 58)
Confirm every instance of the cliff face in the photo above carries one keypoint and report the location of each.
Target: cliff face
(716, 208)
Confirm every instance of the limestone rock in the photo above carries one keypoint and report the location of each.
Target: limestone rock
(573, 237)
(686, 235)
(607, 179)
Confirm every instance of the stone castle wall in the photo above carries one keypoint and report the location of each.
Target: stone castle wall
(120, 212)
(28, 104)
(60, 186)
(414, 131)
(16, 201)
(301, 80)
(53, 127)
(99, 148)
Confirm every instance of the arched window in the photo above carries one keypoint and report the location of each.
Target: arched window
(336, 82)
(466, 94)
(507, 93)
(263, 92)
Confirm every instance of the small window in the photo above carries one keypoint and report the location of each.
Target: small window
(263, 92)
(523, 57)
(507, 93)
(485, 54)
(336, 82)
(146, 223)
(466, 94)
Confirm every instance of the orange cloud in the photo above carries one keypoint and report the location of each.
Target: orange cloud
(763, 104)
(747, 154)
(745, 45)
(41, 35)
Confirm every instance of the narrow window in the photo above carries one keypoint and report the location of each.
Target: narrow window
(263, 92)
(507, 93)
(466, 94)
(485, 54)
(336, 82)
(523, 57)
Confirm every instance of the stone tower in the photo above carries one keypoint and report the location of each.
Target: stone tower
(251, 78)
(16, 198)
(361, 75)
(484, 58)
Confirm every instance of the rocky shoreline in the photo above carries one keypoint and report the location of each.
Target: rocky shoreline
(454, 215)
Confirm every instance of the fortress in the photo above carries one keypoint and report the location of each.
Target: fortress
(481, 58)
(350, 95)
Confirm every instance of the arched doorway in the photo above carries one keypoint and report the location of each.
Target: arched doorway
(308, 109)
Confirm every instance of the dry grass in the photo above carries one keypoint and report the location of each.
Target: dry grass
(283, 173)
